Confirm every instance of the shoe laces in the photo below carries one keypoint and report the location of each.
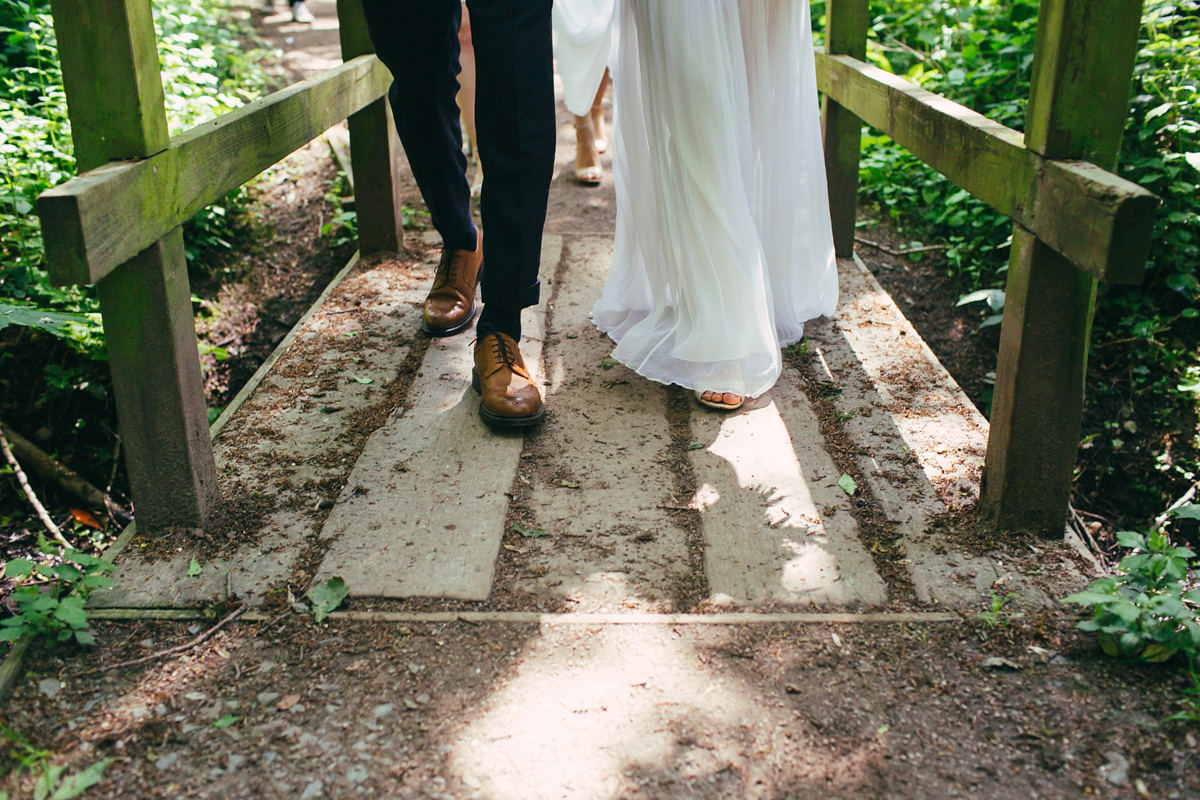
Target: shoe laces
(501, 348)
(448, 266)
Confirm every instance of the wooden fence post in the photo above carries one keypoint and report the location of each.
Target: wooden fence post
(845, 35)
(1083, 66)
(374, 146)
(115, 99)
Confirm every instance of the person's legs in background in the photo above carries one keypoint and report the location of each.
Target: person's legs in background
(466, 95)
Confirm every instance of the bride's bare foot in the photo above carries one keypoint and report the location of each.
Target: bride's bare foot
(722, 401)
(587, 157)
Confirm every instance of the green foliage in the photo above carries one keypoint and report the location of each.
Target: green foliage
(1145, 609)
(50, 596)
(53, 783)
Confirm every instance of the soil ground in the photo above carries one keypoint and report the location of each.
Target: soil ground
(1011, 704)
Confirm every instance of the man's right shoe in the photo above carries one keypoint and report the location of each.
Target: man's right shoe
(510, 398)
(450, 306)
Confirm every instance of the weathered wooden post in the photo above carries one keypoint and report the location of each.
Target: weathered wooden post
(373, 149)
(845, 34)
(115, 100)
(1082, 69)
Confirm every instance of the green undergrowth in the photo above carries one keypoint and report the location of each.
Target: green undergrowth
(1140, 447)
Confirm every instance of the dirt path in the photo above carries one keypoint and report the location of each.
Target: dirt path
(389, 699)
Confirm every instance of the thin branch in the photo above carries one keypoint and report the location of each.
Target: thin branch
(199, 640)
(1188, 497)
(33, 500)
(899, 253)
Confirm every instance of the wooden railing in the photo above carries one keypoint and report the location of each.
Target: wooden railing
(117, 224)
(1075, 223)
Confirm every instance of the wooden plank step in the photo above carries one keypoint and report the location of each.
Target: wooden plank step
(423, 512)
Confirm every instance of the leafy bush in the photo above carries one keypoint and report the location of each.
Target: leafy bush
(1144, 610)
(50, 596)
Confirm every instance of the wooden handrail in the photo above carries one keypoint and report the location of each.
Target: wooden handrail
(85, 222)
(1099, 221)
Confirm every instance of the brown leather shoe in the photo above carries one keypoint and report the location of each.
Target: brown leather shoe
(450, 306)
(510, 397)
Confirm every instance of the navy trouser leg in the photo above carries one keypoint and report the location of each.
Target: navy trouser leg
(515, 124)
(514, 113)
(418, 41)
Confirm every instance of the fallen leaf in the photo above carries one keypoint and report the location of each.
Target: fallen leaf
(996, 662)
(86, 518)
(287, 702)
(531, 533)
(847, 483)
(194, 569)
(521, 550)
(362, 380)
(569, 484)
(227, 720)
(695, 446)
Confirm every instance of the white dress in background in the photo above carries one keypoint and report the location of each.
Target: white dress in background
(583, 32)
(723, 244)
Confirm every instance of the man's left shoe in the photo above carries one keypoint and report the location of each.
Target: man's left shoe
(510, 398)
(450, 306)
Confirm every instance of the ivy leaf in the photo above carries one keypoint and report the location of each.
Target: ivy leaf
(326, 597)
(194, 569)
(847, 483)
(227, 720)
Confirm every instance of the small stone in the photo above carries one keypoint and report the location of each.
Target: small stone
(50, 686)
(471, 782)
(410, 704)
(193, 629)
(267, 698)
(721, 600)
(423, 698)
(414, 668)
(196, 696)
(1116, 771)
(298, 708)
(357, 774)
(300, 608)
(313, 789)
(383, 709)
(236, 760)
(146, 643)
(166, 762)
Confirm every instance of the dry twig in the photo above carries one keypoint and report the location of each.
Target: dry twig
(199, 640)
(899, 253)
(33, 500)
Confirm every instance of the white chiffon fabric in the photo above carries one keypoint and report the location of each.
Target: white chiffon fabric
(583, 46)
(723, 243)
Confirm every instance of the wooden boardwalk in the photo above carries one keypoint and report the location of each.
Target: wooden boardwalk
(358, 453)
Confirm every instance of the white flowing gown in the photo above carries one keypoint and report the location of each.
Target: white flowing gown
(723, 243)
(583, 32)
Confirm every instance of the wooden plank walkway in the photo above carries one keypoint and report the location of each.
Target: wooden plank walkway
(360, 454)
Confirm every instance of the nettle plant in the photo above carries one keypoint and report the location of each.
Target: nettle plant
(50, 597)
(1149, 608)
